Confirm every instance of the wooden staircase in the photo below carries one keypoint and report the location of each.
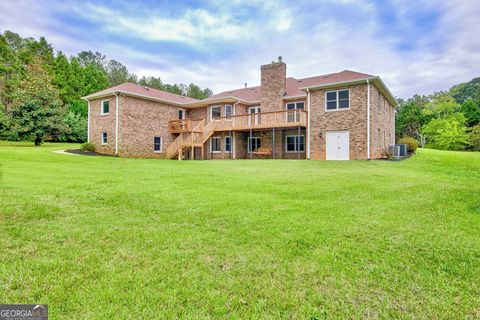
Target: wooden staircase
(195, 138)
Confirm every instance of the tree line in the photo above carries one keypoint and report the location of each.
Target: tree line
(448, 120)
(41, 90)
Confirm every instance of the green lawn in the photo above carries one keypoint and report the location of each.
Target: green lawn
(105, 237)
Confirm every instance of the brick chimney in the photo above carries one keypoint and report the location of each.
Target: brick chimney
(273, 85)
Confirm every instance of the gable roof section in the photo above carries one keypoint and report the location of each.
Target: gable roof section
(143, 92)
(295, 88)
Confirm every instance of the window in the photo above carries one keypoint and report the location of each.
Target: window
(379, 138)
(105, 107)
(104, 137)
(181, 114)
(215, 144)
(228, 110)
(253, 144)
(294, 143)
(336, 100)
(215, 112)
(228, 144)
(157, 144)
(294, 116)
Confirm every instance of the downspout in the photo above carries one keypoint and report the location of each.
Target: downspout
(368, 119)
(308, 123)
(116, 122)
(233, 136)
(88, 121)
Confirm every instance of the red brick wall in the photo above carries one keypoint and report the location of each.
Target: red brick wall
(353, 119)
(382, 118)
(100, 123)
(273, 86)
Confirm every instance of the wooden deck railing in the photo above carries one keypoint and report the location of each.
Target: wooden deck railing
(183, 125)
(263, 120)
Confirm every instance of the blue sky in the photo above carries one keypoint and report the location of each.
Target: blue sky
(415, 46)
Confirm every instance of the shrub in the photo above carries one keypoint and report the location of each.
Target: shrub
(87, 147)
(411, 142)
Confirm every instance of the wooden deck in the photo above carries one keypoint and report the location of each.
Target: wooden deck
(195, 132)
(256, 121)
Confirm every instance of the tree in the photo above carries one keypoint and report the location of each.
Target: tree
(409, 119)
(465, 91)
(475, 138)
(37, 110)
(86, 58)
(447, 133)
(75, 128)
(196, 92)
(441, 106)
(117, 73)
(471, 110)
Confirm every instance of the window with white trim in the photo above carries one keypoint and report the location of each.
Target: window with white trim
(337, 100)
(157, 144)
(254, 143)
(215, 144)
(228, 144)
(294, 116)
(104, 137)
(215, 112)
(228, 110)
(295, 143)
(105, 107)
(181, 114)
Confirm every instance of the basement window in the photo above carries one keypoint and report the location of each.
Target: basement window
(157, 144)
(253, 144)
(294, 143)
(228, 144)
(215, 145)
(337, 100)
(104, 137)
(105, 107)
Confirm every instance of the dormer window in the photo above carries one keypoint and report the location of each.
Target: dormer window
(337, 100)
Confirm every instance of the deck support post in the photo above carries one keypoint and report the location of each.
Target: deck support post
(273, 143)
(202, 152)
(192, 156)
(298, 143)
(250, 144)
(231, 143)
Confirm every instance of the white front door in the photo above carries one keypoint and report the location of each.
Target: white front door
(338, 145)
(254, 119)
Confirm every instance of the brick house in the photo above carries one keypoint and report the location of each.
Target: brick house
(339, 116)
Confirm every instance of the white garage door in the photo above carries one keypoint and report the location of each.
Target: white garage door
(337, 145)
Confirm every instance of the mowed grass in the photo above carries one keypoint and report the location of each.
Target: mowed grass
(105, 237)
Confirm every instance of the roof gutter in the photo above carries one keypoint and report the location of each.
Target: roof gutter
(123, 92)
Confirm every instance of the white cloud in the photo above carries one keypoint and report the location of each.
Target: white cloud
(311, 42)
